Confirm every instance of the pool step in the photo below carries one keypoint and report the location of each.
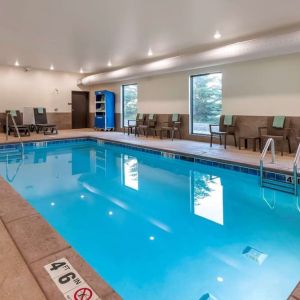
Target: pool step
(278, 185)
(10, 154)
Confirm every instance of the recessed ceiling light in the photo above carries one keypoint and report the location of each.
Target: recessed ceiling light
(82, 196)
(109, 64)
(52, 203)
(217, 35)
(110, 213)
(17, 63)
(81, 71)
(220, 279)
(151, 238)
(51, 67)
(150, 53)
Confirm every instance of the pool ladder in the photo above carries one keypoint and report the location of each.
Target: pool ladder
(292, 187)
(12, 154)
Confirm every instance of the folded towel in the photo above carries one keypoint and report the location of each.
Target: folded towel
(228, 120)
(151, 116)
(175, 117)
(278, 121)
(141, 116)
(40, 110)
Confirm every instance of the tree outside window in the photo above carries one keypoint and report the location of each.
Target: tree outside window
(206, 101)
(129, 100)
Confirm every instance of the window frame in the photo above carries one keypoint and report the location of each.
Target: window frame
(122, 100)
(191, 95)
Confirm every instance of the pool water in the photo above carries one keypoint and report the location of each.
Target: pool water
(164, 229)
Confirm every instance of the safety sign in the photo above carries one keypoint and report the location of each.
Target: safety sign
(69, 282)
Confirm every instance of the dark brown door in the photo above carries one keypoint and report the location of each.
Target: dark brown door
(80, 109)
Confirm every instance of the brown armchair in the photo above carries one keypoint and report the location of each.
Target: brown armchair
(226, 127)
(147, 126)
(277, 129)
(132, 125)
(172, 126)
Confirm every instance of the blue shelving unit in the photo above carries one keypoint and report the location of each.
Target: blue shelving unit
(105, 110)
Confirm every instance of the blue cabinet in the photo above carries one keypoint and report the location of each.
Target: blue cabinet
(105, 110)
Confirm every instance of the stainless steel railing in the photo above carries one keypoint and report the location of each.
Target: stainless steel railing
(270, 142)
(16, 129)
(295, 170)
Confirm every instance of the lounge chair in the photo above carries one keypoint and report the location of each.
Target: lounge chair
(277, 129)
(172, 126)
(226, 127)
(147, 126)
(132, 124)
(23, 129)
(41, 122)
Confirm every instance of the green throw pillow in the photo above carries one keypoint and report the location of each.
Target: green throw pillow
(228, 120)
(278, 121)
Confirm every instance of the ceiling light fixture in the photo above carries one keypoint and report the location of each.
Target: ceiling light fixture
(217, 35)
(17, 63)
(109, 63)
(81, 71)
(51, 67)
(150, 53)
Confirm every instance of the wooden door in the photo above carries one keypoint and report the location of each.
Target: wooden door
(80, 109)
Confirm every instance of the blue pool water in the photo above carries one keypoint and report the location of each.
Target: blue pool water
(164, 229)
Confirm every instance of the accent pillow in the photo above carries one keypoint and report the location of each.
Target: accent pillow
(228, 120)
(278, 121)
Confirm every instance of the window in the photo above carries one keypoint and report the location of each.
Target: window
(129, 102)
(206, 101)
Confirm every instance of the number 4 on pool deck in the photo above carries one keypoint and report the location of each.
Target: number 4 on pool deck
(69, 282)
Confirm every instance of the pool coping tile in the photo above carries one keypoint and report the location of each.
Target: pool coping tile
(101, 288)
(16, 280)
(35, 237)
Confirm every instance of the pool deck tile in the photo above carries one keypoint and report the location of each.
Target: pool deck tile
(12, 207)
(87, 273)
(35, 237)
(16, 280)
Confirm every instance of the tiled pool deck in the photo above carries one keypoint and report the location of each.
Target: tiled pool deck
(28, 242)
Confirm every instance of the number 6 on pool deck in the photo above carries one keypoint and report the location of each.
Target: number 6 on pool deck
(66, 278)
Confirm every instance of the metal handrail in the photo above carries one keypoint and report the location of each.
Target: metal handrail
(16, 129)
(269, 142)
(295, 170)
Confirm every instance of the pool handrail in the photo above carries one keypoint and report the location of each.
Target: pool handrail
(295, 170)
(16, 129)
(269, 142)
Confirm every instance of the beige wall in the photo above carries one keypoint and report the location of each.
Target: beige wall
(36, 88)
(261, 87)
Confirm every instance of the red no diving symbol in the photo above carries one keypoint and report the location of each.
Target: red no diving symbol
(83, 294)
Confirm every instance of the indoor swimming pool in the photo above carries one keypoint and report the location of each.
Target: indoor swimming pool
(160, 228)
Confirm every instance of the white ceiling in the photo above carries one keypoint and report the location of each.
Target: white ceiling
(71, 34)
